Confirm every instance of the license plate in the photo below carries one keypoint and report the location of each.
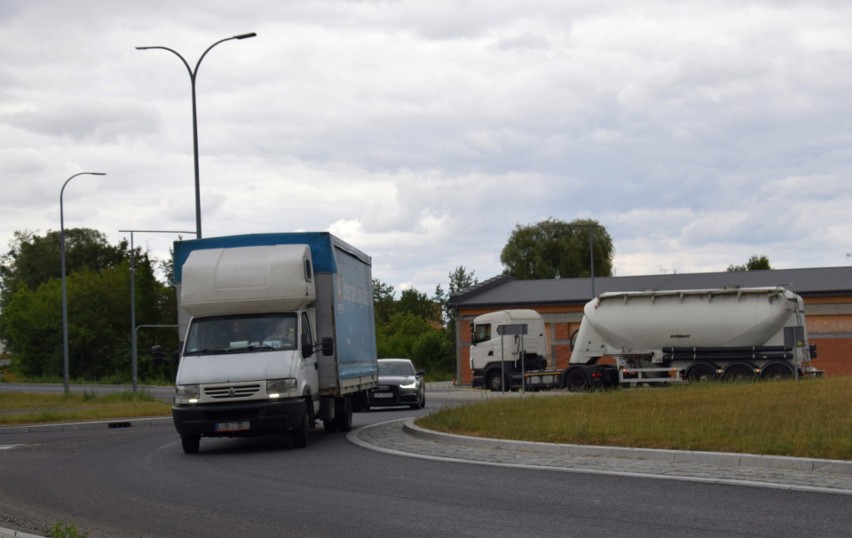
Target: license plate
(382, 395)
(232, 426)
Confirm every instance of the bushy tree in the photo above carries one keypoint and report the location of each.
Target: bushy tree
(98, 287)
(755, 263)
(412, 327)
(556, 249)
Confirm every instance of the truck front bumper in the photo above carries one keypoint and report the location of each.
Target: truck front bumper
(239, 419)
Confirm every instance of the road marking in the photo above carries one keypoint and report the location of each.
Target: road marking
(6, 447)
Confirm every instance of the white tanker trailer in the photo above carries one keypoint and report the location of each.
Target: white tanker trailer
(672, 336)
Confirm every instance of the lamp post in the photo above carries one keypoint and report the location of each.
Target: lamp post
(64, 289)
(192, 76)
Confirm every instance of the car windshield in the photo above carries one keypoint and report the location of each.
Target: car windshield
(241, 334)
(396, 368)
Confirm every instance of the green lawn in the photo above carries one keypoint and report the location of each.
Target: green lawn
(807, 418)
(29, 408)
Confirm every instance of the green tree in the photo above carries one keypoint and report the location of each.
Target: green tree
(556, 249)
(460, 281)
(755, 263)
(383, 301)
(98, 285)
(418, 303)
(33, 260)
(412, 327)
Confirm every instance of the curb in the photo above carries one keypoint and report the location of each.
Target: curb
(93, 425)
(719, 459)
(9, 533)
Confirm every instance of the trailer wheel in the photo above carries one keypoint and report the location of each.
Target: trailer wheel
(777, 371)
(576, 381)
(190, 443)
(738, 372)
(701, 372)
(494, 381)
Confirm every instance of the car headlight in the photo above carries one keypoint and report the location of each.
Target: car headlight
(187, 394)
(408, 385)
(275, 387)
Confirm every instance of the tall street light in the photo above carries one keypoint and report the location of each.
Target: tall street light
(192, 76)
(64, 289)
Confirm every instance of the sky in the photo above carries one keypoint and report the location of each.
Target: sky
(699, 133)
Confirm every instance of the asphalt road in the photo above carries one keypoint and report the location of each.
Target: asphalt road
(137, 482)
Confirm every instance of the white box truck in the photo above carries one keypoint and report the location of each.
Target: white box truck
(279, 332)
(646, 337)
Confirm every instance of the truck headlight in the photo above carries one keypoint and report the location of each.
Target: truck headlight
(275, 387)
(187, 394)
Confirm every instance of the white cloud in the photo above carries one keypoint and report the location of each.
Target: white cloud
(700, 133)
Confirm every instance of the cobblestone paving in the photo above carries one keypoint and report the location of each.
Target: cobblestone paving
(396, 437)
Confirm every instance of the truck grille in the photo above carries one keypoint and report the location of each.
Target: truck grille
(231, 391)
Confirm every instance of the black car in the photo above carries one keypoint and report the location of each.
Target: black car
(399, 384)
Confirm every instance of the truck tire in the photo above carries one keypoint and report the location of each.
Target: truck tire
(329, 426)
(576, 381)
(777, 370)
(495, 382)
(701, 372)
(300, 432)
(343, 413)
(190, 443)
(738, 372)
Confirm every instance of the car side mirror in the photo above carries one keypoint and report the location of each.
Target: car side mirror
(420, 373)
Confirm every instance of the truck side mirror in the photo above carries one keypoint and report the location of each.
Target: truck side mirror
(328, 346)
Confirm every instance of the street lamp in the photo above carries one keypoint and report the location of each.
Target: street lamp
(64, 289)
(192, 75)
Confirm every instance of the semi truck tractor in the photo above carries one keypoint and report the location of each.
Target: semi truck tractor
(629, 338)
(502, 358)
(279, 333)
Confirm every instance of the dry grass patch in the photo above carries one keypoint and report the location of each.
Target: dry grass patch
(808, 418)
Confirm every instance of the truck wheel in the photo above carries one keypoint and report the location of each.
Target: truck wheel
(343, 413)
(738, 372)
(576, 381)
(701, 372)
(190, 443)
(300, 432)
(777, 371)
(330, 426)
(494, 382)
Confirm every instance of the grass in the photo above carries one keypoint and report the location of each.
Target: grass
(807, 418)
(17, 408)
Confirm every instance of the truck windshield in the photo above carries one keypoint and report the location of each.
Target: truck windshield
(241, 334)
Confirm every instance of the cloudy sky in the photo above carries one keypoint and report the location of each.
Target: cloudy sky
(699, 133)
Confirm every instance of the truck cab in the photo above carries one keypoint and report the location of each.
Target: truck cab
(495, 357)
